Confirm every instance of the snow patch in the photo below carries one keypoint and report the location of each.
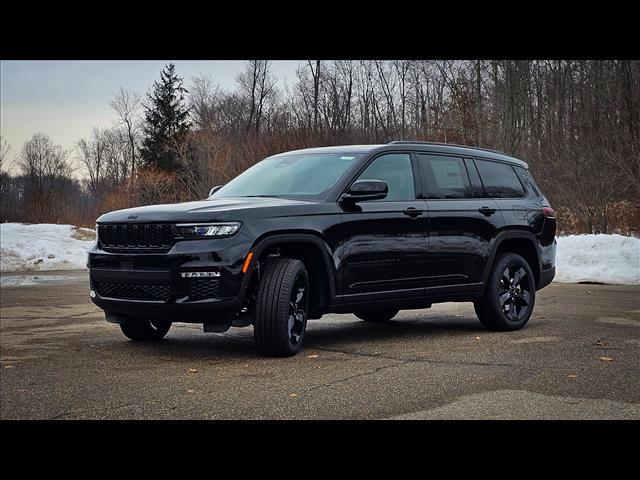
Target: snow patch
(43, 246)
(580, 258)
(598, 258)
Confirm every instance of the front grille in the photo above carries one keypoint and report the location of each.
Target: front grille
(201, 288)
(103, 263)
(134, 291)
(136, 236)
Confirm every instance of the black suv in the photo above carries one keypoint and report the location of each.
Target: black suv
(362, 229)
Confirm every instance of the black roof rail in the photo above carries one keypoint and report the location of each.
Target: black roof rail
(416, 142)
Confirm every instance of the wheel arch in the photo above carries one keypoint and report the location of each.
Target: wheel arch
(520, 242)
(312, 250)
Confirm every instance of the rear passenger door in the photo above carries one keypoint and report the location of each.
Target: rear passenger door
(461, 221)
(503, 185)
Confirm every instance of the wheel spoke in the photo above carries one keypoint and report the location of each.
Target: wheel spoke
(519, 275)
(504, 298)
(299, 295)
(505, 277)
(512, 315)
(297, 307)
(524, 297)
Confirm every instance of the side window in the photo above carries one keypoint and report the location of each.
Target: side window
(445, 177)
(396, 170)
(528, 181)
(499, 179)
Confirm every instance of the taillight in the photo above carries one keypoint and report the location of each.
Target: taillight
(548, 212)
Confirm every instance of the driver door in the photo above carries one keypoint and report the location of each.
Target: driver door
(384, 243)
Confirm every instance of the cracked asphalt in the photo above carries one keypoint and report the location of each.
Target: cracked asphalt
(578, 358)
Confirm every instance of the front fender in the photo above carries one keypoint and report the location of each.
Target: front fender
(268, 240)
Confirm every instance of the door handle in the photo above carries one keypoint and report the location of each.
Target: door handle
(412, 212)
(487, 211)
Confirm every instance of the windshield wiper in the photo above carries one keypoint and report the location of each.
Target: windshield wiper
(265, 196)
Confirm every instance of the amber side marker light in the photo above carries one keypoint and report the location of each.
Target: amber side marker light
(247, 261)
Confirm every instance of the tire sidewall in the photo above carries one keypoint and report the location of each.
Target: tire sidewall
(271, 323)
(142, 329)
(493, 290)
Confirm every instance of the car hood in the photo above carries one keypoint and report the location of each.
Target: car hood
(232, 208)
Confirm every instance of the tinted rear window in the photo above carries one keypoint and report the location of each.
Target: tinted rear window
(499, 179)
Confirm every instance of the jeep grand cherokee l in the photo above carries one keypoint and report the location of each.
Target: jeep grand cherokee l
(362, 229)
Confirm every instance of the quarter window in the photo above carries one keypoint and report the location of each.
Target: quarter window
(396, 170)
(444, 177)
(528, 181)
(499, 180)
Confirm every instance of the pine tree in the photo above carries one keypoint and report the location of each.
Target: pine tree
(166, 119)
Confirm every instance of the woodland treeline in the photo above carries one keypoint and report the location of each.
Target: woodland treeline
(576, 122)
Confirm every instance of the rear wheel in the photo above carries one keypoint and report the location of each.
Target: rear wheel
(282, 306)
(377, 316)
(509, 296)
(142, 330)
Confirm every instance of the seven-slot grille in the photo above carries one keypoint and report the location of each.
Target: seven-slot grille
(134, 291)
(136, 236)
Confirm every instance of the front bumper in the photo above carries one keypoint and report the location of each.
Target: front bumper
(141, 284)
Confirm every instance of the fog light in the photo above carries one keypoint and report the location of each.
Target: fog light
(92, 294)
(199, 274)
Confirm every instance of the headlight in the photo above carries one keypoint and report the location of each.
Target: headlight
(209, 230)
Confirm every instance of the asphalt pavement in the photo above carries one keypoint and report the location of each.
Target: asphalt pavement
(578, 358)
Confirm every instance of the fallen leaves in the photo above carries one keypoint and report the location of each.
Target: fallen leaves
(606, 359)
(478, 338)
(312, 356)
(193, 370)
(9, 366)
(191, 391)
(572, 375)
(293, 395)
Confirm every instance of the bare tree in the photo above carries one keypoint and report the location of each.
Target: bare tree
(204, 98)
(47, 175)
(127, 105)
(258, 84)
(92, 154)
(4, 153)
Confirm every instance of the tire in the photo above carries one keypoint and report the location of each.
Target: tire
(143, 330)
(282, 308)
(376, 316)
(509, 296)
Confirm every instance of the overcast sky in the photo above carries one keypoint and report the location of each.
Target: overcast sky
(65, 99)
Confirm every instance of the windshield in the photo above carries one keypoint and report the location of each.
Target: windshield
(289, 176)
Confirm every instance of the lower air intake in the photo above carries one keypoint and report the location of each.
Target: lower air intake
(134, 291)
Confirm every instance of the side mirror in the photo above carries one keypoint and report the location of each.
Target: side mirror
(366, 190)
(215, 189)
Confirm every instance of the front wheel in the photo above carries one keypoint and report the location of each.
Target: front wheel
(142, 330)
(376, 316)
(509, 295)
(282, 306)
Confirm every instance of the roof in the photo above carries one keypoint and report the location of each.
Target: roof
(335, 149)
(415, 146)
